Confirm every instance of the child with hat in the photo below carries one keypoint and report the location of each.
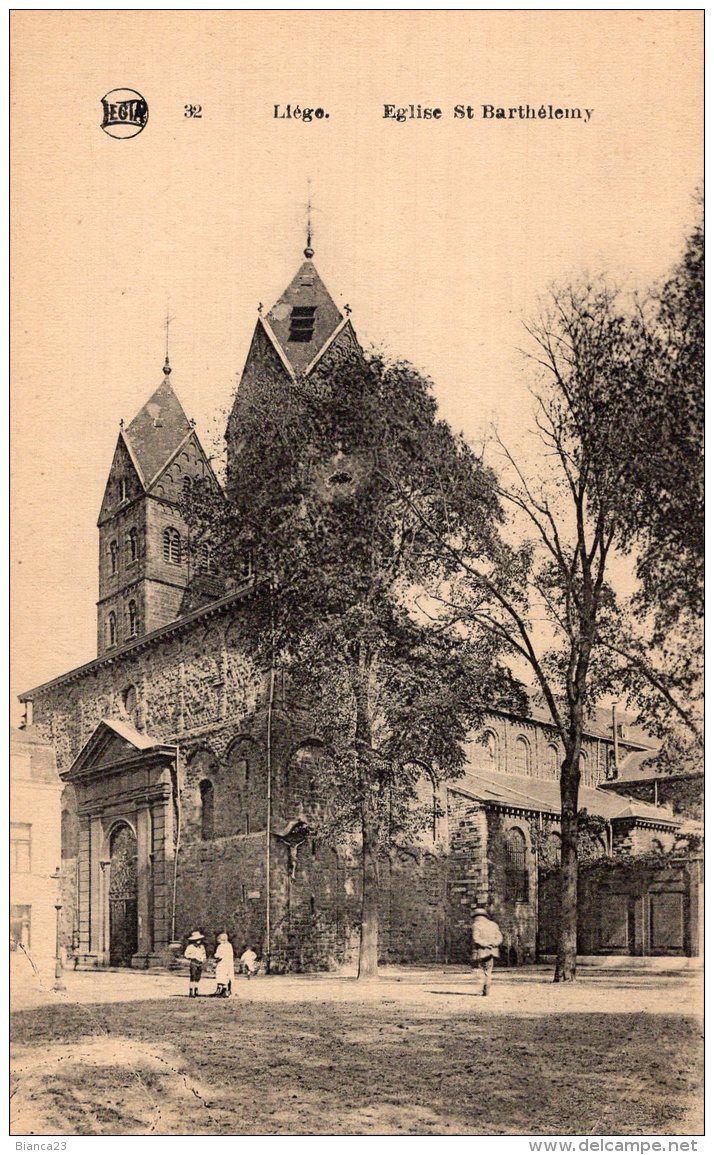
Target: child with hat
(196, 954)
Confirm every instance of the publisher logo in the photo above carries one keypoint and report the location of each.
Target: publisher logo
(125, 113)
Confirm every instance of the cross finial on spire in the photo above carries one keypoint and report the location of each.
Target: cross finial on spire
(167, 363)
(309, 251)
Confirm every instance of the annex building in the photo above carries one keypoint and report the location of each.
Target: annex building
(169, 819)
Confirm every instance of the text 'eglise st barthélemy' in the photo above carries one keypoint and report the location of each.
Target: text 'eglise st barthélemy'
(401, 114)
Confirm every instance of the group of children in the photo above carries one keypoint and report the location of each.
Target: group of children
(225, 964)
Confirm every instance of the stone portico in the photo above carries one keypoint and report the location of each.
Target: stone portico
(125, 797)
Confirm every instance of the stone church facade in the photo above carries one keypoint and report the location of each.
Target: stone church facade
(188, 796)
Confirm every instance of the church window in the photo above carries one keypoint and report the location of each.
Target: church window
(187, 484)
(302, 322)
(131, 612)
(172, 546)
(522, 756)
(584, 769)
(516, 866)
(205, 559)
(207, 820)
(20, 842)
(128, 697)
(492, 748)
(247, 823)
(112, 629)
(132, 545)
(114, 556)
(123, 491)
(553, 760)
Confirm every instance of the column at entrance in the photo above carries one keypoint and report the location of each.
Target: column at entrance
(144, 884)
(97, 913)
(84, 892)
(163, 872)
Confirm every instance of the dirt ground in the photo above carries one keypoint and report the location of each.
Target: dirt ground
(416, 1052)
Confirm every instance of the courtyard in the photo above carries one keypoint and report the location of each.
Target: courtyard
(415, 1052)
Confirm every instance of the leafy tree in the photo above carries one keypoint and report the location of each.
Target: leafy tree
(321, 492)
(549, 599)
(663, 498)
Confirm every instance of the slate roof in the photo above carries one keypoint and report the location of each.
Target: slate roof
(542, 795)
(305, 291)
(598, 724)
(643, 766)
(156, 432)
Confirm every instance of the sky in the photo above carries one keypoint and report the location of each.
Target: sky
(442, 235)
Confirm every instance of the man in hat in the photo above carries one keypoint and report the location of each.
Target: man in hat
(487, 938)
(196, 954)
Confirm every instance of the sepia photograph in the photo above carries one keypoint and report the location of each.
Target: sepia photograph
(357, 575)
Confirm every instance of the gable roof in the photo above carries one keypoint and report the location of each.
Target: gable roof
(305, 291)
(112, 742)
(542, 795)
(157, 431)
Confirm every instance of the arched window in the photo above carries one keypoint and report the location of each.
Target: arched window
(131, 614)
(123, 492)
(172, 546)
(187, 485)
(114, 556)
(112, 629)
(516, 866)
(492, 748)
(553, 760)
(207, 825)
(132, 544)
(584, 769)
(128, 697)
(522, 756)
(205, 559)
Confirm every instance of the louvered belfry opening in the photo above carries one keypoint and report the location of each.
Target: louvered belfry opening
(302, 322)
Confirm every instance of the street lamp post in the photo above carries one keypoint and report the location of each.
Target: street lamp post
(59, 969)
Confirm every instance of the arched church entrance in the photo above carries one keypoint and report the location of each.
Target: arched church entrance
(123, 890)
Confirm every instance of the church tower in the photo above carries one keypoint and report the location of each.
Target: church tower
(303, 330)
(146, 560)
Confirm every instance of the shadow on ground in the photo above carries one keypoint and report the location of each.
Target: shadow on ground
(328, 1067)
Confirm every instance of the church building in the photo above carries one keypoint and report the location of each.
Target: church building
(174, 817)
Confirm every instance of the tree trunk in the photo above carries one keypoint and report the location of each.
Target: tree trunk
(369, 933)
(568, 928)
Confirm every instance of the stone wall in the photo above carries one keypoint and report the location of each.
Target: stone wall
(414, 887)
(468, 876)
(515, 911)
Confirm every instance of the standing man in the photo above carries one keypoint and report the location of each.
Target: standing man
(487, 938)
